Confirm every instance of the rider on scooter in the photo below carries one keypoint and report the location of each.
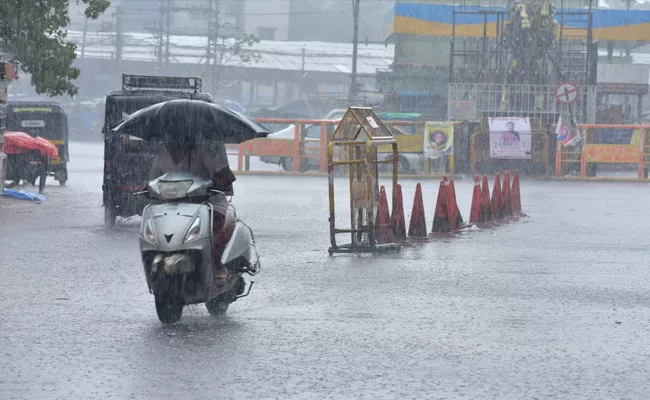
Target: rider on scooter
(179, 156)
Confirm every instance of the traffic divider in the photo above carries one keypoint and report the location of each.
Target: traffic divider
(516, 195)
(504, 205)
(507, 198)
(496, 201)
(397, 217)
(475, 211)
(418, 223)
(486, 207)
(383, 225)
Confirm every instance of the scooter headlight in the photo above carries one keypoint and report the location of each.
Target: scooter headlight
(194, 231)
(148, 232)
(174, 190)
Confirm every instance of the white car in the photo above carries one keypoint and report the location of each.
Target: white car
(312, 142)
(312, 146)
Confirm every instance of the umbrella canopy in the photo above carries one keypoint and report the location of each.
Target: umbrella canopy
(192, 121)
(19, 142)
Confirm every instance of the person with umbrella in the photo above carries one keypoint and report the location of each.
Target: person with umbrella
(181, 156)
(186, 126)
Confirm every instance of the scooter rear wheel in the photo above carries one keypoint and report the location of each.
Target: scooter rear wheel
(217, 308)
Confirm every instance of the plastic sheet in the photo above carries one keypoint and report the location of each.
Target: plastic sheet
(22, 195)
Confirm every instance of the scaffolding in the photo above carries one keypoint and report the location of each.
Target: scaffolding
(524, 52)
(355, 143)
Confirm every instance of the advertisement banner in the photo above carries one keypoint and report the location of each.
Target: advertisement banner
(612, 153)
(438, 139)
(567, 134)
(510, 138)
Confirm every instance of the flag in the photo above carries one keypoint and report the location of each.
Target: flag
(567, 134)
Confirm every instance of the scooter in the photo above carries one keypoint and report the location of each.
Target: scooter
(176, 243)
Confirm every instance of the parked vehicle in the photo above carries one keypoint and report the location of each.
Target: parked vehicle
(28, 158)
(312, 135)
(127, 159)
(48, 120)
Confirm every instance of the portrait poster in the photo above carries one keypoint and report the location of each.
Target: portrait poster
(438, 139)
(510, 138)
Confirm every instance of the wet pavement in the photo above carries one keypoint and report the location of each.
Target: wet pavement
(551, 306)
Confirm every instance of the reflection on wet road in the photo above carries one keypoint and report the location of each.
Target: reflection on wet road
(555, 305)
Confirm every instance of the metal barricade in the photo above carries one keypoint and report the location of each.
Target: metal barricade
(356, 141)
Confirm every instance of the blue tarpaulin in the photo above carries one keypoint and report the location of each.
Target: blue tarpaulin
(23, 195)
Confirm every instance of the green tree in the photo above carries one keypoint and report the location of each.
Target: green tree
(225, 44)
(34, 32)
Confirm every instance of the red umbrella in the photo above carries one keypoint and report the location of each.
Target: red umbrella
(19, 142)
(48, 148)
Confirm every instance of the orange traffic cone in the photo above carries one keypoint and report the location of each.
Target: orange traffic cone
(440, 217)
(475, 212)
(486, 210)
(516, 195)
(384, 228)
(418, 224)
(397, 217)
(496, 199)
(506, 196)
(453, 211)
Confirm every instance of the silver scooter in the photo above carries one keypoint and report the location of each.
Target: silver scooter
(176, 243)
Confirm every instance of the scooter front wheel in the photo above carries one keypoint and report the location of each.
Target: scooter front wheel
(168, 310)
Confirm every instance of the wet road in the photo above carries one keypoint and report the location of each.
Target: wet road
(553, 306)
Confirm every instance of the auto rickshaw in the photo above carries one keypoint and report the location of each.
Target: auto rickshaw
(127, 160)
(48, 120)
(28, 158)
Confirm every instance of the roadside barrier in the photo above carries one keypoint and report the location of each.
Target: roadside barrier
(475, 212)
(496, 199)
(384, 226)
(486, 207)
(505, 205)
(516, 196)
(507, 198)
(302, 148)
(397, 217)
(454, 216)
(440, 221)
(418, 223)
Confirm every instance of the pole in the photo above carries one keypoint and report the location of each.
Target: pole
(160, 33)
(119, 37)
(168, 28)
(83, 39)
(355, 49)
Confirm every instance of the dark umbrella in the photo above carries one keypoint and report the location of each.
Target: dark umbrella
(190, 120)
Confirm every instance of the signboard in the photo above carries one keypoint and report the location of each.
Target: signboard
(566, 92)
(405, 144)
(438, 139)
(622, 88)
(612, 153)
(510, 138)
(32, 124)
(463, 110)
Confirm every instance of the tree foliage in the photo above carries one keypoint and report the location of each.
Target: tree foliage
(227, 43)
(34, 32)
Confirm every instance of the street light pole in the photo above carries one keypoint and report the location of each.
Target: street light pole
(355, 49)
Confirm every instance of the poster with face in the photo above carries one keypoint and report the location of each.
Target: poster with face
(510, 138)
(438, 139)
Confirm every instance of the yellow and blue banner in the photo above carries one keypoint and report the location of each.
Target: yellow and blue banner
(437, 20)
